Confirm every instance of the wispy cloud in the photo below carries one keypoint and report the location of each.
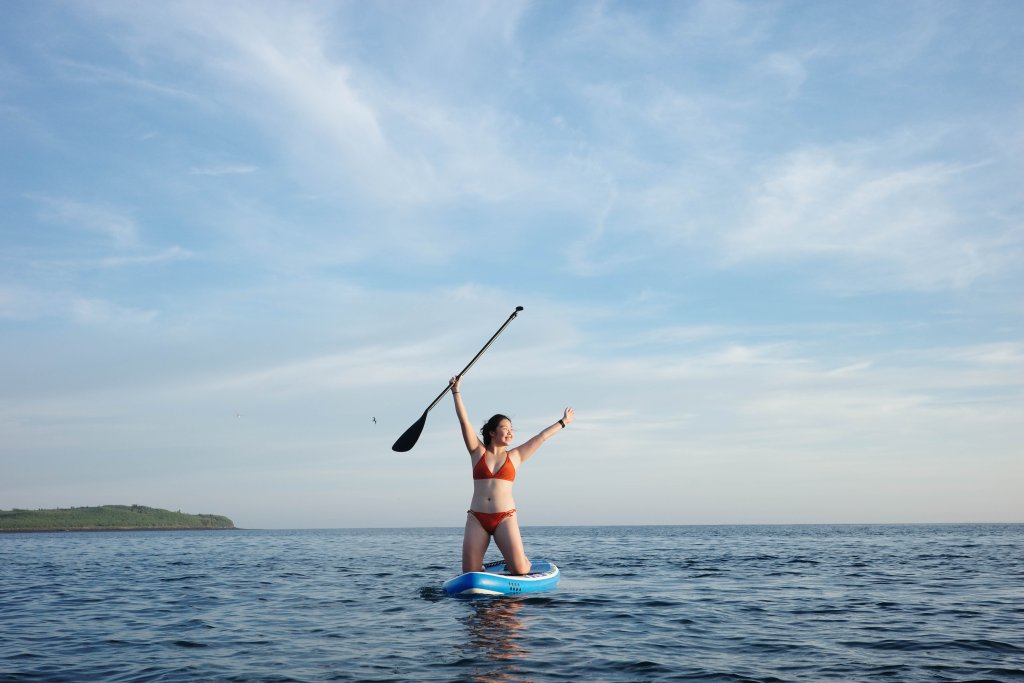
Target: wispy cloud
(18, 302)
(789, 68)
(896, 223)
(100, 312)
(165, 255)
(136, 257)
(112, 223)
(389, 133)
(93, 74)
(223, 169)
(1008, 354)
(22, 303)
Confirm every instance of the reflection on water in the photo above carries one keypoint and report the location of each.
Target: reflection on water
(494, 632)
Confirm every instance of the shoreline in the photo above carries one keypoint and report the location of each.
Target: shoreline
(94, 529)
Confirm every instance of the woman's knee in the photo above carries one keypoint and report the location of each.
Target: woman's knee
(520, 565)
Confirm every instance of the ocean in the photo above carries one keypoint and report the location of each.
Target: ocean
(652, 603)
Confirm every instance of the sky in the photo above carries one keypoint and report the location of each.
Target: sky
(772, 253)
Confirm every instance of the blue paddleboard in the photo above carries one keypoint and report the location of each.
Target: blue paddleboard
(493, 580)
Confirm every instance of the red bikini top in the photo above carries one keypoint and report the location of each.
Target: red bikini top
(507, 471)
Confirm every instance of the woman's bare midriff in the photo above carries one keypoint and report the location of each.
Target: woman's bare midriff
(492, 495)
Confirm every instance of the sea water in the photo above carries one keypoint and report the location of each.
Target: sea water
(700, 603)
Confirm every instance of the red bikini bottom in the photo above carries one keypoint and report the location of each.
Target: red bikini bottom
(490, 520)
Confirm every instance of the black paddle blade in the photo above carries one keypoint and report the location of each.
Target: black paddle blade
(412, 435)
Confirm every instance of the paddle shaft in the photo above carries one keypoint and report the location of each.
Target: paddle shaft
(407, 440)
(476, 357)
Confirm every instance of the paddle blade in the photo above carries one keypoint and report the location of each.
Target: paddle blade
(412, 435)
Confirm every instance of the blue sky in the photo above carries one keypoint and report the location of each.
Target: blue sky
(771, 252)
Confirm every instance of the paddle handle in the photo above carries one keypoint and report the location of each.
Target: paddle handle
(476, 357)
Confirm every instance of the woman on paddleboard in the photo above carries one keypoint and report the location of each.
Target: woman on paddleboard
(492, 512)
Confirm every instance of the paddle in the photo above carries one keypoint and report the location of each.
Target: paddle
(412, 434)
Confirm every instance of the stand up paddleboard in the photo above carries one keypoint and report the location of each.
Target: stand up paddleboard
(493, 580)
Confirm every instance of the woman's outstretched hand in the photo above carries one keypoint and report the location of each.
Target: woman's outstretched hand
(569, 416)
(454, 383)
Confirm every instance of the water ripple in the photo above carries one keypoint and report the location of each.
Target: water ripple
(917, 603)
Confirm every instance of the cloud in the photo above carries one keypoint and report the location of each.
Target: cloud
(169, 254)
(353, 369)
(137, 257)
(92, 74)
(361, 129)
(224, 169)
(88, 311)
(1009, 354)
(20, 303)
(277, 68)
(896, 224)
(788, 68)
(100, 219)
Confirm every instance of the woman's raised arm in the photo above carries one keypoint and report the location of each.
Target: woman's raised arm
(468, 433)
(527, 448)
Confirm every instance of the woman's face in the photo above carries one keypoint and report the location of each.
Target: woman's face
(502, 433)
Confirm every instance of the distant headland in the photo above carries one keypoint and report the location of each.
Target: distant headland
(108, 518)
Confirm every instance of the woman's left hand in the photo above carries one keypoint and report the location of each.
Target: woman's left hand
(569, 416)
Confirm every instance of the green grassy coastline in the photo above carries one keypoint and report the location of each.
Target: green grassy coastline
(107, 518)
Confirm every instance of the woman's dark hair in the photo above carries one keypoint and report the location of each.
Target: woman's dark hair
(491, 425)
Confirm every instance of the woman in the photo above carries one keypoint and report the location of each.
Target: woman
(492, 511)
